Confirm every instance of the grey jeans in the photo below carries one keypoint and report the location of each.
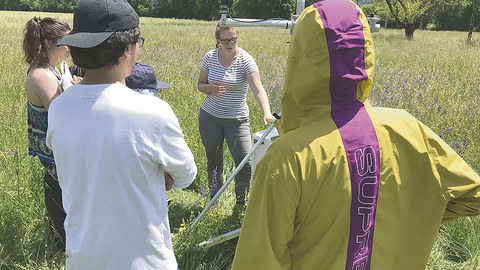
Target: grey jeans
(214, 131)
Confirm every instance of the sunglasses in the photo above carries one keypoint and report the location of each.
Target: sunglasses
(138, 39)
(141, 41)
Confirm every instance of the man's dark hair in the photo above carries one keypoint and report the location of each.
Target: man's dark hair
(106, 53)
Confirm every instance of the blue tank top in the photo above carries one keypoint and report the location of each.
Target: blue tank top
(37, 121)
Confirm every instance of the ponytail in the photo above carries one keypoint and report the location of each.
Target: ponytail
(39, 37)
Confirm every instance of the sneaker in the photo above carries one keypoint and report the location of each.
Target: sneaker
(240, 201)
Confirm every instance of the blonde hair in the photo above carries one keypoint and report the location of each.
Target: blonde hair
(223, 28)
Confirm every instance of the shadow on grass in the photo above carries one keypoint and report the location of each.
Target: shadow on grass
(182, 206)
(222, 218)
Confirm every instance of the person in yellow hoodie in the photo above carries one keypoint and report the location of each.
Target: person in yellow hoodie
(348, 185)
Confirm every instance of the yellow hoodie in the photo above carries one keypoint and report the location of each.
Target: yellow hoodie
(347, 185)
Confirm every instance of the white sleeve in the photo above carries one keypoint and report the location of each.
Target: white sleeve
(250, 65)
(174, 155)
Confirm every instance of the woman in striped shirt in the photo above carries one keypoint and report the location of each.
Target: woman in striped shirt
(225, 75)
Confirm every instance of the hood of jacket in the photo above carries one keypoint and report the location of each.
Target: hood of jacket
(330, 64)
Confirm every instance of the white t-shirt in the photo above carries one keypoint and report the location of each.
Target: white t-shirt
(112, 146)
(232, 105)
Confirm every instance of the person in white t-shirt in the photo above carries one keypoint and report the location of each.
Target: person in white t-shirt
(117, 151)
(225, 75)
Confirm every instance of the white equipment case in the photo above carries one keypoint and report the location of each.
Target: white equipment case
(262, 148)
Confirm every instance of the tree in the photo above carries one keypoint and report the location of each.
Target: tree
(453, 15)
(182, 9)
(380, 9)
(48, 5)
(410, 14)
(13, 5)
(472, 20)
(206, 9)
(142, 7)
(163, 9)
(264, 9)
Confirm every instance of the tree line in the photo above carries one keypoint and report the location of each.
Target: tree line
(453, 15)
(182, 9)
(410, 15)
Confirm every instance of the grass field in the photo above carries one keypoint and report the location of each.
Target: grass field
(435, 77)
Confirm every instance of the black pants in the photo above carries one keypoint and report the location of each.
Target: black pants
(53, 203)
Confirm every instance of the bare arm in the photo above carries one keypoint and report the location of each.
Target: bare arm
(214, 88)
(76, 79)
(168, 181)
(260, 95)
(41, 87)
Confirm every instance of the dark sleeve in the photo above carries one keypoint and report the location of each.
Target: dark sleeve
(77, 71)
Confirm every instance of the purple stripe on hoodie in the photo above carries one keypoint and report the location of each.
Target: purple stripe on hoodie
(345, 40)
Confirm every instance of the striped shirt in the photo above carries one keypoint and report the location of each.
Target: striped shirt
(233, 104)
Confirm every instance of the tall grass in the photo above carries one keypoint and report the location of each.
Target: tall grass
(435, 77)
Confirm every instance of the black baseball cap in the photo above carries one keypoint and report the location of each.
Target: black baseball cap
(95, 21)
(143, 77)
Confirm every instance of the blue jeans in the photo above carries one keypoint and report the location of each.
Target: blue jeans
(214, 131)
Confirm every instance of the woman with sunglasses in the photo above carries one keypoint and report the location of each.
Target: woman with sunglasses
(225, 75)
(41, 86)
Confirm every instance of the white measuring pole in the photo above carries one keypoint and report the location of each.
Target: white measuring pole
(300, 6)
(240, 22)
(232, 176)
(220, 239)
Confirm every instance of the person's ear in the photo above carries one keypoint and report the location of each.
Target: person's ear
(127, 53)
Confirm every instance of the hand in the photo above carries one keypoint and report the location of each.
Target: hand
(218, 89)
(268, 118)
(76, 79)
(168, 181)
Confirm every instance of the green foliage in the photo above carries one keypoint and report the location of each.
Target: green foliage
(445, 14)
(265, 9)
(380, 8)
(167, 9)
(439, 15)
(410, 14)
(206, 9)
(162, 9)
(39, 5)
(13, 5)
(456, 247)
(434, 77)
(454, 15)
(221, 218)
(185, 9)
(143, 8)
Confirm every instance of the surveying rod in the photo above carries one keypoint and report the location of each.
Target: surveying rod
(220, 239)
